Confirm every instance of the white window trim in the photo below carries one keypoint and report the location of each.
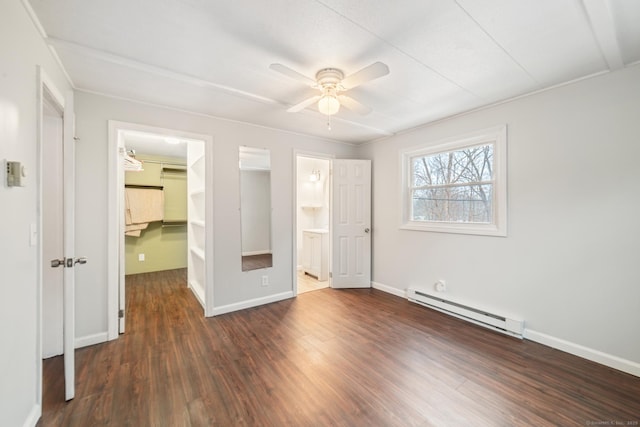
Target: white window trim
(496, 135)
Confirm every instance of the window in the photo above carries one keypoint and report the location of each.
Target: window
(457, 185)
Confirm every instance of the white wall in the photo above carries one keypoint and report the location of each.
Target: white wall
(232, 286)
(21, 49)
(569, 266)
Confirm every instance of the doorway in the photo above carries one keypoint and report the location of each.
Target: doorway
(54, 233)
(313, 213)
(174, 166)
(333, 222)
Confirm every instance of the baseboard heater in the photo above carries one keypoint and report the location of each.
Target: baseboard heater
(480, 317)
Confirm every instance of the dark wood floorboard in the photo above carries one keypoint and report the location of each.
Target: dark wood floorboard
(325, 358)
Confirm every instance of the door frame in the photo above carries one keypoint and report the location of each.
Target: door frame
(45, 83)
(115, 230)
(312, 155)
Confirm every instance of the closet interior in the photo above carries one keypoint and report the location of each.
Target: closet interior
(165, 210)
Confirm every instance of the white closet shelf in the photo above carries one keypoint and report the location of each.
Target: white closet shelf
(197, 222)
(197, 192)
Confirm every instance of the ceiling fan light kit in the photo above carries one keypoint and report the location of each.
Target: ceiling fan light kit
(331, 82)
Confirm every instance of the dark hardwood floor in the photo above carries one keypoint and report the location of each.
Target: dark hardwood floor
(325, 358)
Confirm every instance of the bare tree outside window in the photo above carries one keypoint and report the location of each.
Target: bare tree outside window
(454, 186)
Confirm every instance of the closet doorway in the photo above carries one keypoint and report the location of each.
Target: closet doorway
(313, 213)
(162, 210)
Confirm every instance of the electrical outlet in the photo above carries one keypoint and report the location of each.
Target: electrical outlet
(265, 280)
(140, 257)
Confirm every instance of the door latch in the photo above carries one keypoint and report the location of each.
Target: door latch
(68, 262)
(58, 262)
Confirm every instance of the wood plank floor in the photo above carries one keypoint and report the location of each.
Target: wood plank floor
(326, 358)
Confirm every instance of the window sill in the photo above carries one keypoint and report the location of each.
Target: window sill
(455, 228)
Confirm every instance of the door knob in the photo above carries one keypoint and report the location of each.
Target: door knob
(366, 230)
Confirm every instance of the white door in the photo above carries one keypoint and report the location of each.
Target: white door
(57, 118)
(69, 248)
(52, 230)
(351, 224)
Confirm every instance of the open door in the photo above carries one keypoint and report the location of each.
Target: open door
(52, 211)
(69, 329)
(63, 225)
(351, 224)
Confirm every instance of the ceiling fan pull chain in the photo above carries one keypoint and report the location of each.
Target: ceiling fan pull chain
(329, 122)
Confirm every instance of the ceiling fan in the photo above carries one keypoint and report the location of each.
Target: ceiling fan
(331, 83)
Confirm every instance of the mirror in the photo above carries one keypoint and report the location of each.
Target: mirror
(255, 208)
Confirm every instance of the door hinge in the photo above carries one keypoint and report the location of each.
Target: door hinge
(120, 314)
(330, 275)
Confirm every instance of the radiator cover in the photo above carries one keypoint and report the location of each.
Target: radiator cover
(496, 322)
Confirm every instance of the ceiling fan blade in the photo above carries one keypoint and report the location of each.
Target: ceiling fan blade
(373, 71)
(293, 74)
(353, 105)
(304, 104)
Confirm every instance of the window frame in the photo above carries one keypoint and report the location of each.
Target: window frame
(498, 137)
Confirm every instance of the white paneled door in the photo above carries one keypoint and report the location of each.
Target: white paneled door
(57, 171)
(69, 249)
(52, 230)
(351, 224)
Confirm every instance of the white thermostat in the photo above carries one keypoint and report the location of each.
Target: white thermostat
(15, 174)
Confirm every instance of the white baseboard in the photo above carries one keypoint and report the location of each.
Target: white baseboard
(402, 293)
(91, 339)
(252, 303)
(34, 416)
(609, 360)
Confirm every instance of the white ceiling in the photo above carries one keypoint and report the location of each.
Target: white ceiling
(159, 145)
(445, 56)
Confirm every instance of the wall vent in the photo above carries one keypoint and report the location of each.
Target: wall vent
(497, 322)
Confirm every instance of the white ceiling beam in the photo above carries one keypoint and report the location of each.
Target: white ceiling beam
(604, 31)
(152, 69)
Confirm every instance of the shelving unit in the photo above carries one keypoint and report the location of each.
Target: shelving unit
(196, 229)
